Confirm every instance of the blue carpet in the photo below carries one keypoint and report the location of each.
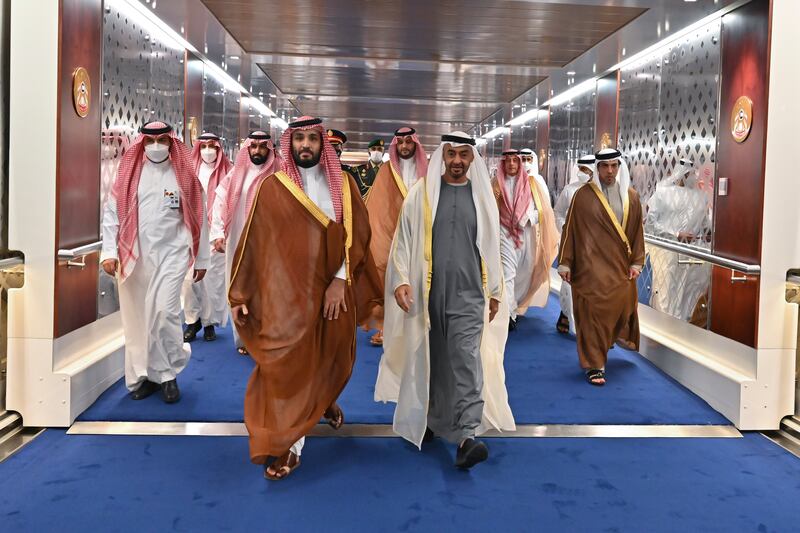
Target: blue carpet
(544, 381)
(77, 483)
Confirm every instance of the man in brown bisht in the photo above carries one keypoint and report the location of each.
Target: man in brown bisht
(302, 250)
(601, 255)
(407, 163)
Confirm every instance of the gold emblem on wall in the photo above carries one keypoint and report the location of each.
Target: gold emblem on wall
(741, 119)
(605, 141)
(81, 91)
(542, 159)
(192, 127)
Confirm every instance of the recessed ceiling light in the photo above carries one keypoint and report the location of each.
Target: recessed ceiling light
(571, 73)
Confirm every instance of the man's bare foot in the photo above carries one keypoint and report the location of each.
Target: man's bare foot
(282, 467)
(334, 416)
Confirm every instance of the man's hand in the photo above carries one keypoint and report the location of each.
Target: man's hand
(334, 300)
(633, 273)
(199, 275)
(494, 305)
(685, 236)
(239, 313)
(219, 245)
(566, 276)
(110, 266)
(402, 295)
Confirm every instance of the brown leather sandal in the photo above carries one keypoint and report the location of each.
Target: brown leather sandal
(285, 466)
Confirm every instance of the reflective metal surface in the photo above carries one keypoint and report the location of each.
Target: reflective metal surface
(17, 439)
(668, 111)
(222, 429)
(571, 135)
(703, 255)
(442, 53)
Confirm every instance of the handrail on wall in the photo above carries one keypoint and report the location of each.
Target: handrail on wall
(9, 262)
(704, 255)
(70, 255)
(86, 249)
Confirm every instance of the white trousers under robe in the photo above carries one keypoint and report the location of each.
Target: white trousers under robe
(517, 266)
(207, 301)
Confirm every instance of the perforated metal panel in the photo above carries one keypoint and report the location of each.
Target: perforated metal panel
(668, 111)
(571, 135)
(142, 80)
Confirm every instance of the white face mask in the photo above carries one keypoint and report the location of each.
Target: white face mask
(209, 155)
(529, 168)
(156, 152)
(376, 156)
(583, 177)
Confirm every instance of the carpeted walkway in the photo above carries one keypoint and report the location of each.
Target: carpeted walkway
(544, 382)
(93, 483)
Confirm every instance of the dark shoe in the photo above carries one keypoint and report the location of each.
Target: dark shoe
(562, 326)
(145, 389)
(209, 334)
(170, 391)
(512, 324)
(428, 437)
(471, 453)
(190, 331)
(596, 377)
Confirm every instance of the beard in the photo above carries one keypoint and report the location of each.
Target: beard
(306, 163)
(407, 154)
(258, 159)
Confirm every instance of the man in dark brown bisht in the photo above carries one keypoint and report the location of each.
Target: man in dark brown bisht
(292, 296)
(408, 163)
(601, 255)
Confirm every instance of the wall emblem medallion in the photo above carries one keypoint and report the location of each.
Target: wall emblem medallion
(81, 91)
(741, 119)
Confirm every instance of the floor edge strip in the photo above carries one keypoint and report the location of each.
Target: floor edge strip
(237, 429)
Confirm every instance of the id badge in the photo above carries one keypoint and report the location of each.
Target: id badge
(172, 199)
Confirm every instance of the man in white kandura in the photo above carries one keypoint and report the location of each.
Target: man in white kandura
(582, 173)
(445, 322)
(153, 225)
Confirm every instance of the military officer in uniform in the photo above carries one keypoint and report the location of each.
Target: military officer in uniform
(337, 139)
(366, 173)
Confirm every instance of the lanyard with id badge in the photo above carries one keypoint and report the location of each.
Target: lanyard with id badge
(172, 199)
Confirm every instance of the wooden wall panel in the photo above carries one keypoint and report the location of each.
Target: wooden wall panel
(738, 216)
(734, 305)
(607, 111)
(745, 67)
(78, 162)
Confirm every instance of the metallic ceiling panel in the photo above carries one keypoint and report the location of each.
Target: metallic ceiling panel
(395, 83)
(471, 31)
(445, 112)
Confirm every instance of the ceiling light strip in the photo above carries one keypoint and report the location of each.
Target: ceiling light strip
(582, 87)
(149, 21)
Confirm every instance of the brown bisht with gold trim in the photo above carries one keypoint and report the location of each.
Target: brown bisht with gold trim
(384, 202)
(289, 253)
(599, 252)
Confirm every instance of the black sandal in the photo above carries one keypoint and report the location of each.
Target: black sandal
(594, 375)
(562, 326)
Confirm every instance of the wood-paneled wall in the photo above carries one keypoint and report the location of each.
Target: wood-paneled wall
(738, 216)
(78, 162)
